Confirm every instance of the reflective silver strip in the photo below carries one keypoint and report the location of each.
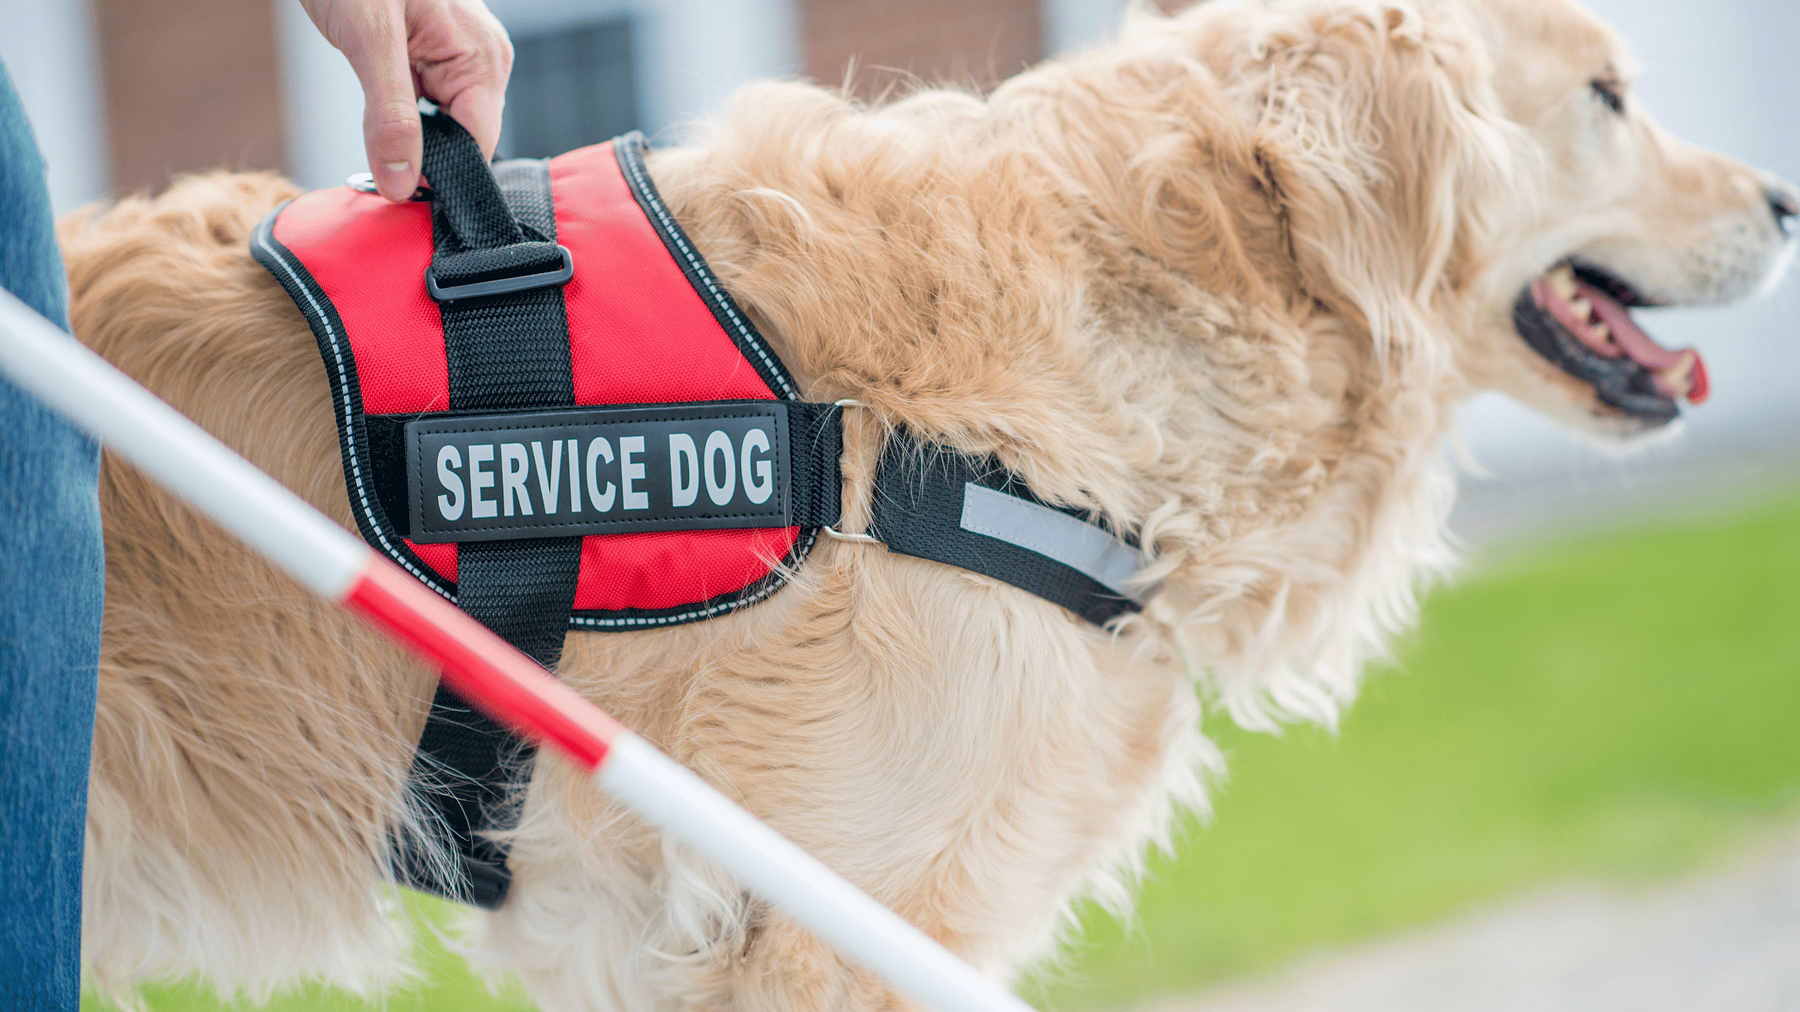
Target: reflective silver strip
(1053, 534)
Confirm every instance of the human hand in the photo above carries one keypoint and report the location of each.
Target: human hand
(452, 52)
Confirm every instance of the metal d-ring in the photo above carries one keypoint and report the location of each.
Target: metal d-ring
(833, 532)
(364, 182)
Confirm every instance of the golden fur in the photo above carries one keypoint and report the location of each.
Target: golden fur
(1220, 282)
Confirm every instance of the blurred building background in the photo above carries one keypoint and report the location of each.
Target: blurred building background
(126, 92)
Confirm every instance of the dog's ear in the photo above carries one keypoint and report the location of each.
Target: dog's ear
(1381, 143)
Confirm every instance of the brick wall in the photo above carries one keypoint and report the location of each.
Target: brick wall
(188, 84)
(970, 42)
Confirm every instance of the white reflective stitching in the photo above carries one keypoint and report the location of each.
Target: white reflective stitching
(776, 582)
(712, 287)
(776, 579)
(263, 235)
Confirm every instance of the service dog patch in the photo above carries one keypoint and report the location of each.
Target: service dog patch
(598, 471)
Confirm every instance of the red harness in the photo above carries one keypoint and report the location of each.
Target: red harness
(660, 345)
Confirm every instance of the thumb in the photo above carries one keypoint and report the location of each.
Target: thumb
(391, 132)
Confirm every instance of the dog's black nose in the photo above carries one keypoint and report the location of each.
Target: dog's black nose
(1786, 207)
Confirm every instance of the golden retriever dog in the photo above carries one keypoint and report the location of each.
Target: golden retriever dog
(1220, 282)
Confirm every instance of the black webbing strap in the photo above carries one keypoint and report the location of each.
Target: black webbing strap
(505, 351)
(817, 432)
(918, 506)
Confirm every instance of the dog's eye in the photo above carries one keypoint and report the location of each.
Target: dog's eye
(1612, 95)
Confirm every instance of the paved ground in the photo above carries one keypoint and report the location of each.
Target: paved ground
(1726, 941)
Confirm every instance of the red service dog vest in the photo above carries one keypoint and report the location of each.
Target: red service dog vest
(639, 332)
(551, 412)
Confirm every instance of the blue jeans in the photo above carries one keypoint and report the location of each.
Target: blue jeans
(51, 582)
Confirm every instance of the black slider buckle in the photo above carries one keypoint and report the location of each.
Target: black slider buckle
(502, 285)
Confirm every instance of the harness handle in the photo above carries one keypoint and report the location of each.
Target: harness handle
(482, 249)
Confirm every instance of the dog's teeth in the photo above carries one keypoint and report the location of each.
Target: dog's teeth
(1601, 333)
(1677, 380)
(1562, 281)
(1582, 308)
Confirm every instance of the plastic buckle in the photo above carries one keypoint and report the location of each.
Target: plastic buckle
(501, 286)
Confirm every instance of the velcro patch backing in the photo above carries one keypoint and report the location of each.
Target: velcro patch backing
(603, 470)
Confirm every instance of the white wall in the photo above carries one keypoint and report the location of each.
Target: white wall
(1071, 24)
(48, 49)
(693, 53)
(321, 101)
(697, 52)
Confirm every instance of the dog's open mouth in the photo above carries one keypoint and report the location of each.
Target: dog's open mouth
(1579, 317)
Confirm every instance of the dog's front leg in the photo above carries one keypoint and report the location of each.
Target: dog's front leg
(967, 754)
(642, 923)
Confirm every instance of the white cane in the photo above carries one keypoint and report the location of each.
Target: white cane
(481, 667)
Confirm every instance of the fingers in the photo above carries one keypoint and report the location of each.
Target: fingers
(452, 51)
(464, 60)
(391, 130)
(478, 109)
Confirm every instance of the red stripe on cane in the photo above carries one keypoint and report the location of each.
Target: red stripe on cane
(481, 667)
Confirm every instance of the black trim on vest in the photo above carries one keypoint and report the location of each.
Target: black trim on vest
(629, 150)
(364, 440)
(366, 508)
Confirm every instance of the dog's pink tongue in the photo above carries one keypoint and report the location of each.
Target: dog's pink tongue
(1640, 346)
(1643, 348)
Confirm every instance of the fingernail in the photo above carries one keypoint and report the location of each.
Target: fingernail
(397, 180)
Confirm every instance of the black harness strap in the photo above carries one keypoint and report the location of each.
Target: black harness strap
(920, 508)
(505, 351)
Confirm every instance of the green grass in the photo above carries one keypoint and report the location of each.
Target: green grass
(444, 985)
(1619, 707)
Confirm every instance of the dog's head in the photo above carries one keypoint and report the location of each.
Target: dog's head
(1475, 181)
(1626, 217)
